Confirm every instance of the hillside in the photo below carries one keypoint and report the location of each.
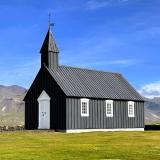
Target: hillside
(152, 110)
(12, 106)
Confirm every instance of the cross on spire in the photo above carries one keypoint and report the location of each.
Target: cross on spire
(49, 21)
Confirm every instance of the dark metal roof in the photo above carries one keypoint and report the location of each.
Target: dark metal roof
(78, 82)
(49, 44)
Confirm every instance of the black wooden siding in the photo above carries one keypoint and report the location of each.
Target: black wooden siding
(97, 115)
(44, 81)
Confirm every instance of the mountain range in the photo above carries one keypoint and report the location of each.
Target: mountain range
(12, 106)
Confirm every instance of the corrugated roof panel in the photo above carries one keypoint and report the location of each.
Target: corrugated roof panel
(96, 84)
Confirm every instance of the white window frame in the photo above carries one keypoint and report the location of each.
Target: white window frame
(85, 100)
(111, 103)
(132, 104)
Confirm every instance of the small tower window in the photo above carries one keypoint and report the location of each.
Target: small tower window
(109, 108)
(84, 107)
(131, 109)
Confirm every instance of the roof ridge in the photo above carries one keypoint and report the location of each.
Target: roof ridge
(90, 69)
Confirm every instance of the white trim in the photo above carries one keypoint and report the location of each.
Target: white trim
(44, 108)
(85, 100)
(103, 130)
(111, 103)
(133, 108)
(43, 96)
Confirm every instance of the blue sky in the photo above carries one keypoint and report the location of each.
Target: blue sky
(112, 35)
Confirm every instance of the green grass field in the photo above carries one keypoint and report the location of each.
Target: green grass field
(43, 145)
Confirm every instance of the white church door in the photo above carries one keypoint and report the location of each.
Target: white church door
(44, 111)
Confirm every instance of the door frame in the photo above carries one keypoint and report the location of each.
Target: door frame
(43, 97)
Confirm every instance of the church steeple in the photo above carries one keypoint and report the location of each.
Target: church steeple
(49, 51)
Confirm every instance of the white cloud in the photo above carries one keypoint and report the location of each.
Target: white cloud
(150, 90)
(98, 63)
(127, 62)
(96, 4)
(22, 73)
(123, 0)
(122, 62)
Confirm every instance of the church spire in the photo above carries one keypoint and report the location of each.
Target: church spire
(49, 44)
(49, 51)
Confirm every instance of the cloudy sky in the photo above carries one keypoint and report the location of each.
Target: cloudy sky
(111, 35)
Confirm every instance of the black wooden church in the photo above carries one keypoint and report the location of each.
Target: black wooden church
(80, 100)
